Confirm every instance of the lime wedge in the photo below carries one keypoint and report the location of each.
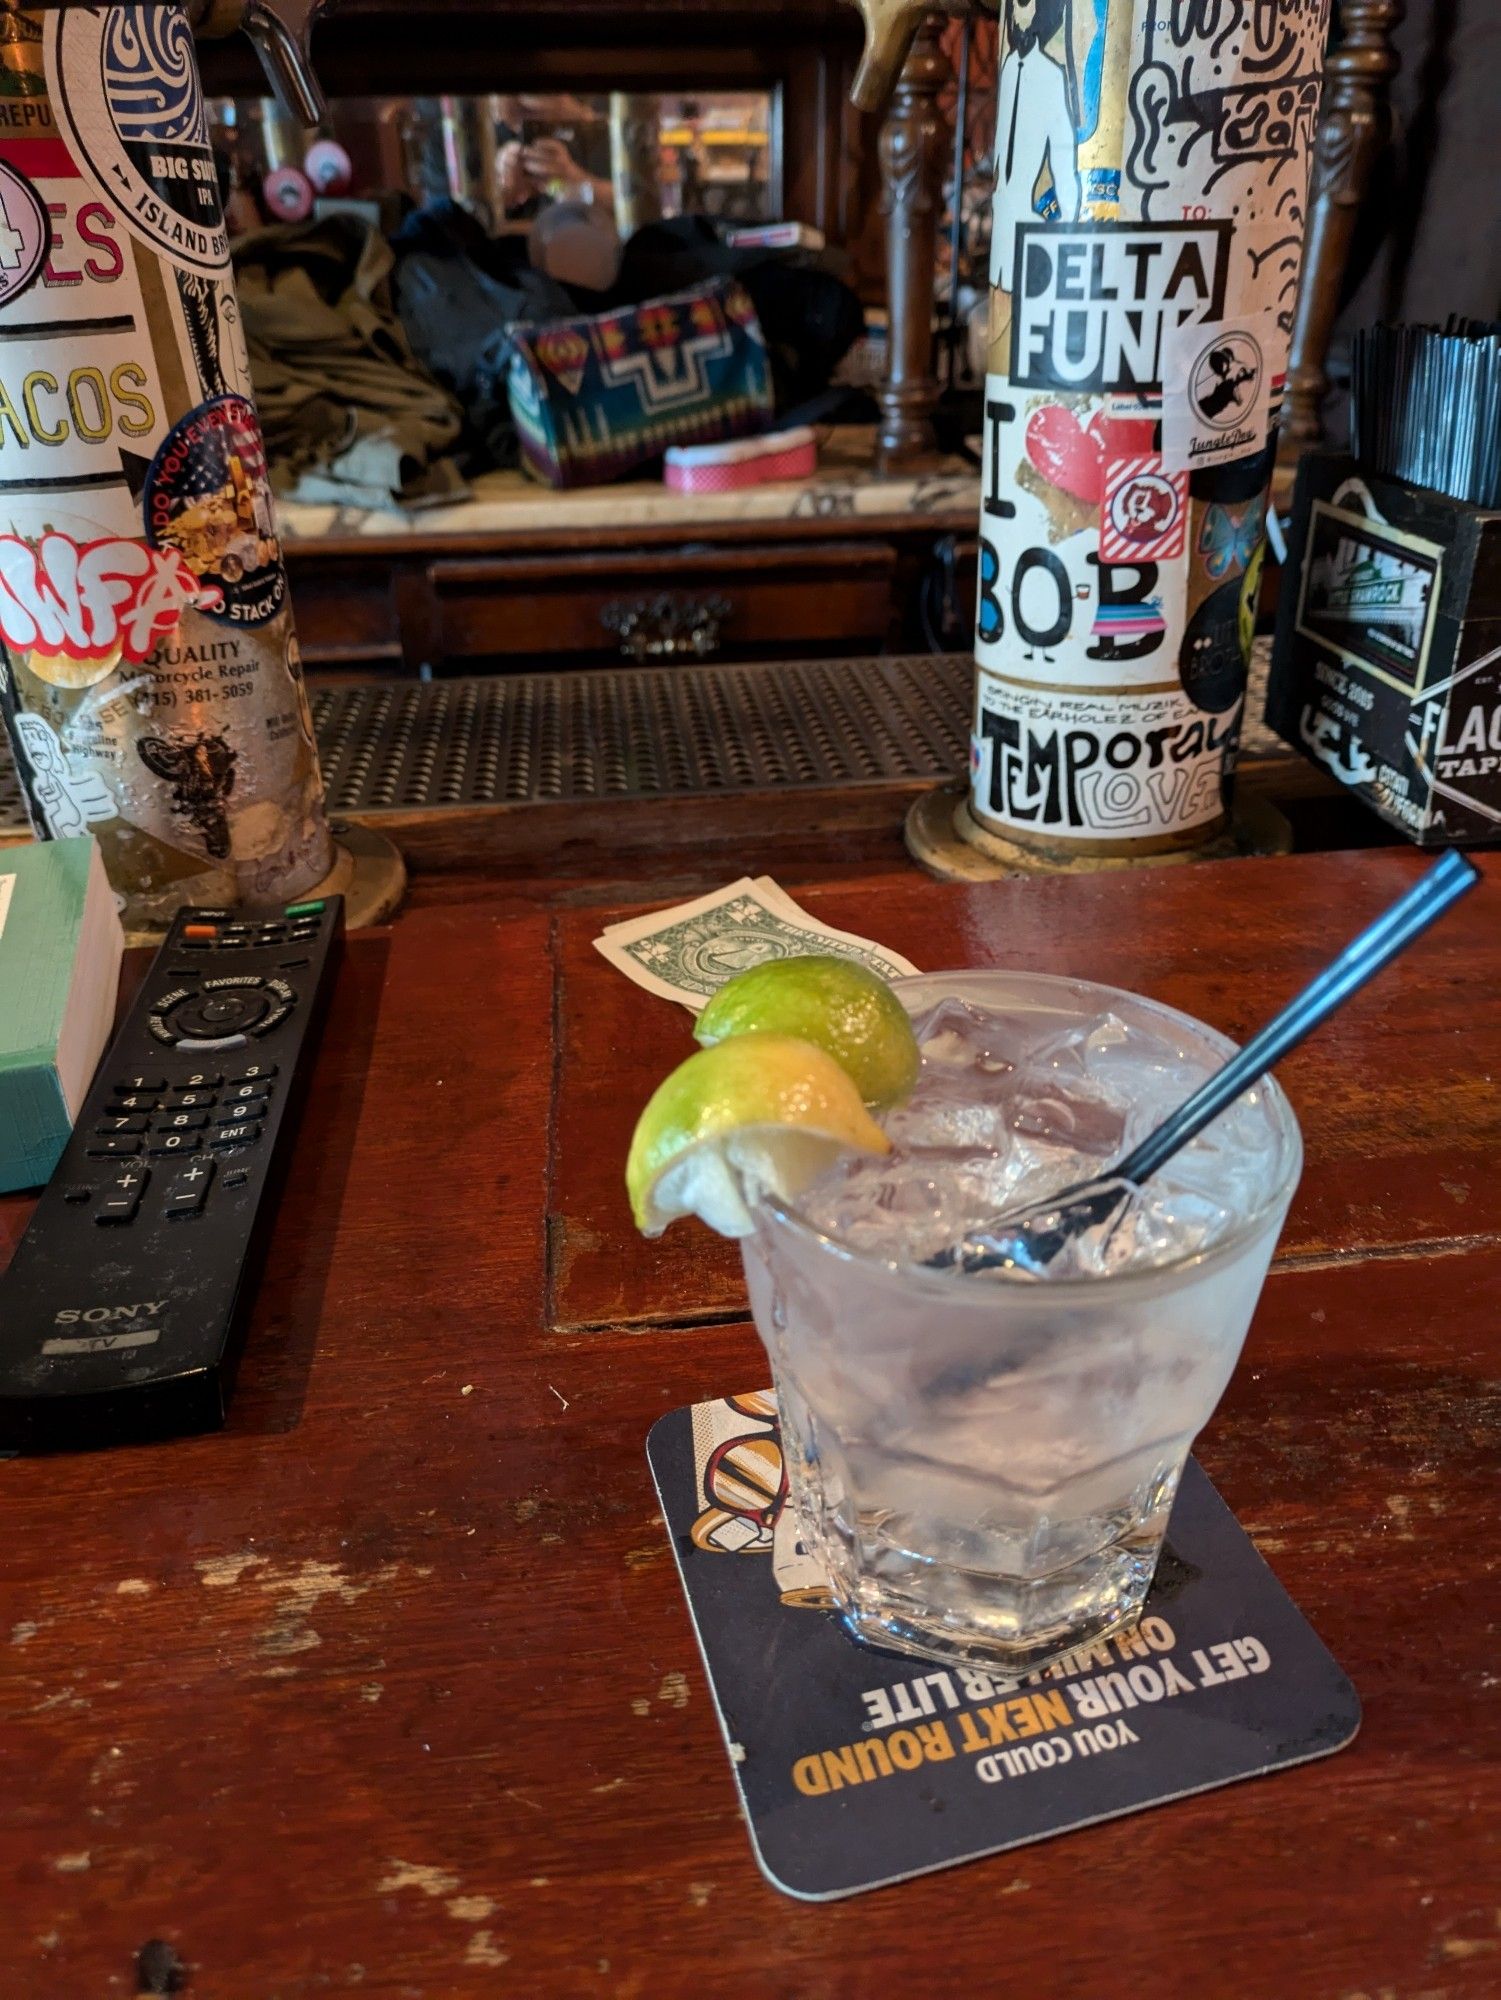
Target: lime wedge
(832, 1002)
(757, 1113)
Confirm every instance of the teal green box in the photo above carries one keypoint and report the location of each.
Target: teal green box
(60, 949)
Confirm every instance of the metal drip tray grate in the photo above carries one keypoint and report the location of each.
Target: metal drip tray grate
(12, 811)
(394, 746)
(642, 733)
(409, 746)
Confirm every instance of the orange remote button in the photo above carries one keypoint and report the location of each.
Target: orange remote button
(200, 930)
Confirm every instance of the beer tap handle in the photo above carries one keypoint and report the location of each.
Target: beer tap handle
(281, 34)
(890, 27)
(284, 55)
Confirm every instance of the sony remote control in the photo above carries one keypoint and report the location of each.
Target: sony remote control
(122, 1313)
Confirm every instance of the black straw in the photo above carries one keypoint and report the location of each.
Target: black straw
(1425, 406)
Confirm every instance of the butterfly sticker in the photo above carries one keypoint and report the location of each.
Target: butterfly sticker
(1229, 535)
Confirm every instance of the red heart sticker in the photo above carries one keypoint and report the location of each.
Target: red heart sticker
(1066, 453)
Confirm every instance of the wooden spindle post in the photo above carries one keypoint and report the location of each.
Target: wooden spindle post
(635, 160)
(1354, 120)
(912, 157)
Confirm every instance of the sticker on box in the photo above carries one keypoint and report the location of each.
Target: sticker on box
(1369, 594)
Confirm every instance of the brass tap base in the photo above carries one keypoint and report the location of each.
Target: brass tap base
(944, 837)
(368, 872)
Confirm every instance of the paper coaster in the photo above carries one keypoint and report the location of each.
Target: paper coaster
(858, 1768)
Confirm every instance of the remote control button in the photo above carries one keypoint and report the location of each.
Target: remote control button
(114, 1149)
(199, 1079)
(134, 1100)
(189, 1100)
(145, 1081)
(133, 1121)
(232, 979)
(77, 1194)
(181, 1121)
(305, 909)
(187, 1191)
(210, 1015)
(235, 1135)
(200, 931)
(196, 1045)
(177, 1142)
(122, 1195)
(254, 1073)
(237, 1093)
(273, 1020)
(237, 1179)
(240, 1110)
(196, 944)
(286, 994)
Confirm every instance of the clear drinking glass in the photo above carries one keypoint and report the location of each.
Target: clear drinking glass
(986, 1465)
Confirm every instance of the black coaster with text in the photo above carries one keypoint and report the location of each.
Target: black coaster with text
(858, 1767)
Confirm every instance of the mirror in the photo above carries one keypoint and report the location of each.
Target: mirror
(508, 157)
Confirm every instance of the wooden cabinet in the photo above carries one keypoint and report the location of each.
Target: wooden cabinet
(835, 578)
(756, 599)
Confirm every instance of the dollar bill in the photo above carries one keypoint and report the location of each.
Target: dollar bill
(688, 952)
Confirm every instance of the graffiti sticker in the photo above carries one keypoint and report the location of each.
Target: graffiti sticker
(90, 603)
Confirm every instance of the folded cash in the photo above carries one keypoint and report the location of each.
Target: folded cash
(688, 952)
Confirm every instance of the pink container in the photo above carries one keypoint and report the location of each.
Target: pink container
(725, 468)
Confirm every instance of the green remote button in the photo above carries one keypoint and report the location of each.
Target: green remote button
(304, 909)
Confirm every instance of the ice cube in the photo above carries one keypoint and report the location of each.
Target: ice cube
(1011, 1107)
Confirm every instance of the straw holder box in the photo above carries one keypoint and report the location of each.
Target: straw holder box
(1386, 668)
(60, 950)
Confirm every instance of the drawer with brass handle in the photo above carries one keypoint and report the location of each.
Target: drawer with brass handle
(748, 600)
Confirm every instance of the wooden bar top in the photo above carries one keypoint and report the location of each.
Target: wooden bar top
(390, 1688)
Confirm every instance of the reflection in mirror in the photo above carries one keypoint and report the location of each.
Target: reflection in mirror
(506, 158)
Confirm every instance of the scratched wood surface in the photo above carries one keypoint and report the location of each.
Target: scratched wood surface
(1396, 1095)
(390, 1689)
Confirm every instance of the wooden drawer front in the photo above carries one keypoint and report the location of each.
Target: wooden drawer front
(837, 597)
(344, 613)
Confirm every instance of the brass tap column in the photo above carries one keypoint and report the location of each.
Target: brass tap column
(150, 677)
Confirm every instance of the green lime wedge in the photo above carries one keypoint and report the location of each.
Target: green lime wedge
(759, 1113)
(832, 1002)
